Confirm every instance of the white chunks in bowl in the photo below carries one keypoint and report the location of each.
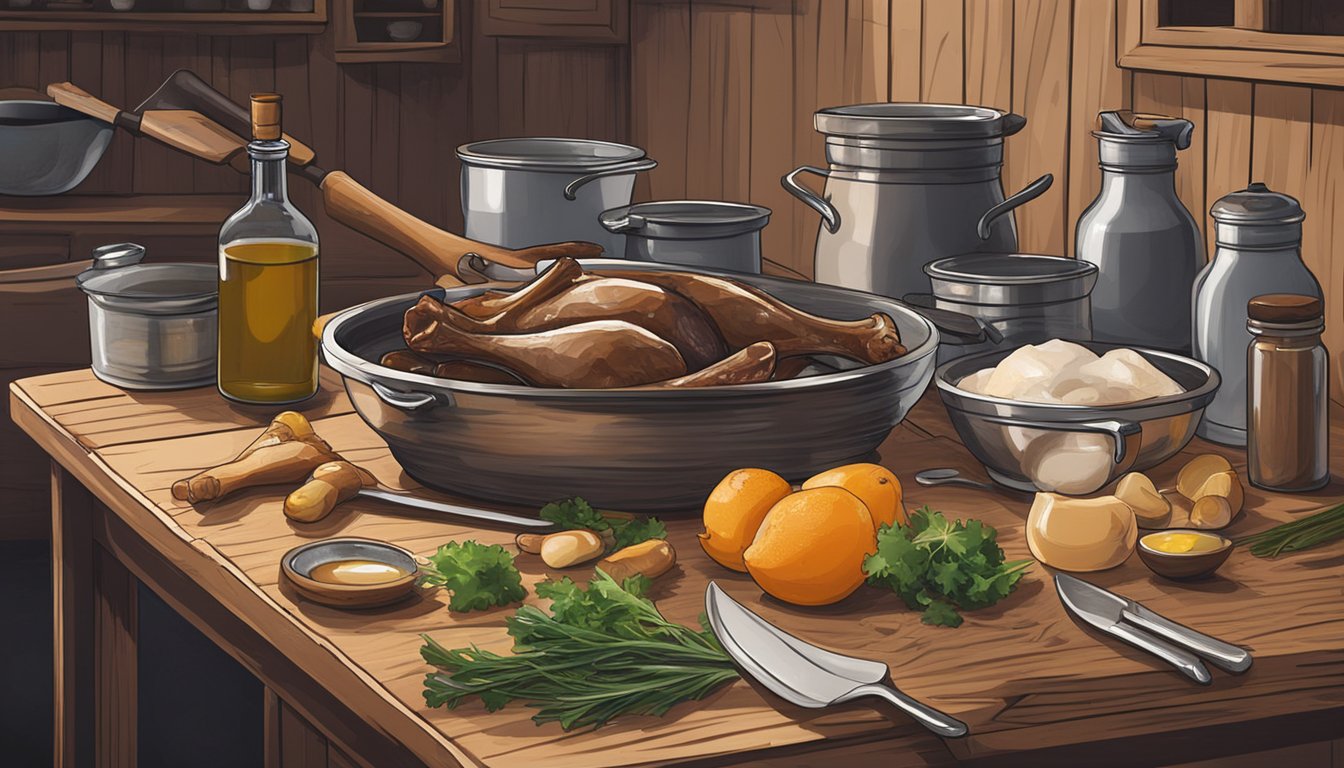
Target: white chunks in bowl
(1063, 373)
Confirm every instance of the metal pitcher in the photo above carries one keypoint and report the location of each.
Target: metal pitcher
(909, 184)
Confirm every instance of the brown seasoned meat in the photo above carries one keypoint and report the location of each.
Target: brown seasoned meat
(563, 273)
(595, 354)
(662, 312)
(466, 370)
(746, 366)
(408, 361)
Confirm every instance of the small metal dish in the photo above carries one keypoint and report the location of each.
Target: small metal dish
(1184, 565)
(298, 563)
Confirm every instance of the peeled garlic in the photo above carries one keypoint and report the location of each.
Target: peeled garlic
(1197, 471)
(1210, 512)
(1150, 507)
(1081, 534)
(1224, 484)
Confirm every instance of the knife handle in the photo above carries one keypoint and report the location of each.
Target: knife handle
(940, 723)
(1185, 661)
(1224, 655)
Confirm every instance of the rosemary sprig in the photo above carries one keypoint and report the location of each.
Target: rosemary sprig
(1313, 530)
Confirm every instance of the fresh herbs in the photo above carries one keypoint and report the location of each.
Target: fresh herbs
(939, 566)
(600, 652)
(477, 575)
(1312, 531)
(575, 513)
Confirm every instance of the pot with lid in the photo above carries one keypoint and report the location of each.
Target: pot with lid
(531, 191)
(697, 233)
(1259, 236)
(908, 184)
(151, 326)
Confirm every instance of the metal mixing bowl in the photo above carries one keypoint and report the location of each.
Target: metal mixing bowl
(632, 449)
(1074, 449)
(47, 149)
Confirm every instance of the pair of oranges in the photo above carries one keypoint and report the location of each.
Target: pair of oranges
(805, 547)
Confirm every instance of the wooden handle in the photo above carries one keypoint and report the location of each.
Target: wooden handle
(300, 154)
(191, 132)
(76, 98)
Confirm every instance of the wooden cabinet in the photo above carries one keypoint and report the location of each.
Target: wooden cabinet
(593, 21)
(231, 17)
(396, 30)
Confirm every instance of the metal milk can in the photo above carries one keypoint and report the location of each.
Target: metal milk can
(909, 184)
(1259, 236)
(1146, 245)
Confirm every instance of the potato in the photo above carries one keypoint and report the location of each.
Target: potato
(566, 548)
(650, 559)
(1197, 471)
(529, 542)
(1226, 485)
(1080, 534)
(1210, 512)
(1150, 507)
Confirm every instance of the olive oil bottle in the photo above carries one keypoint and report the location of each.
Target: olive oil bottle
(267, 280)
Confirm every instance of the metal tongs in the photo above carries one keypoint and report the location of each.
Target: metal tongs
(1130, 621)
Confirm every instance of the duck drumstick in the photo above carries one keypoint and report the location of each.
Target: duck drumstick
(287, 451)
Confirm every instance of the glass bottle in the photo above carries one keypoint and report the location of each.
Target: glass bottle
(1287, 394)
(267, 280)
(1259, 235)
(1145, 243)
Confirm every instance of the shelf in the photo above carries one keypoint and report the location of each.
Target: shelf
(111, 209)
(202, 22)
(397, 14)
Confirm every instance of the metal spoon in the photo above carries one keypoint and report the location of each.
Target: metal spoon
(950, 476)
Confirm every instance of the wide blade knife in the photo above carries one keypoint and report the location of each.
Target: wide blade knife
(801, 672)
(1128, 620)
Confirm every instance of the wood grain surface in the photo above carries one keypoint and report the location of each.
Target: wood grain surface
(1022, 673)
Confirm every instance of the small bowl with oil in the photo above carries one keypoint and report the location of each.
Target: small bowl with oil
(350, 572)
(1182, 553)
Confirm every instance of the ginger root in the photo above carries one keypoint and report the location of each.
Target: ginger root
(329, 485)
(650, 559)
(287, 451)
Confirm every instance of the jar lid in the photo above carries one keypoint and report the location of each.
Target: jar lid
(1285, 308)
(118, 280)
(917, 121)
(548, 154)
(1257, 205)
(686, 219)
(1127, 126)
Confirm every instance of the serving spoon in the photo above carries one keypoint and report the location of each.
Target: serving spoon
(948, 476)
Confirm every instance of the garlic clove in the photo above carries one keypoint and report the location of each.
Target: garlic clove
(1151, 508)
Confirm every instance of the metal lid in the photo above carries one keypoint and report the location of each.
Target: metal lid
(118, 280)
(686, 219)
(917, 121)
(1285, 308)
(1010, 278)
(1257, 205)
(548, 154)
(1126, 126)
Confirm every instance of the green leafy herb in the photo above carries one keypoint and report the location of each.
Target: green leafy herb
(938, 566)
(1313, 530)
(477, 575)
(600, 652)
(575, 513)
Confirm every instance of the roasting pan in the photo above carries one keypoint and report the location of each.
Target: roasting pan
(631, 449)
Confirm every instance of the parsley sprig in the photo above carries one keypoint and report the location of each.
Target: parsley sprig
(477, 576)
(599, 653)
(575, 513)
(938, 566)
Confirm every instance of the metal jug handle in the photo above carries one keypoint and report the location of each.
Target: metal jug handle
(572, 188)
(1012, 123)
(1030, 192)
(829, 215)
(116, 255)
(630, 223)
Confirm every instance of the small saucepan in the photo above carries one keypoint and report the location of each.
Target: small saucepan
(47, 149)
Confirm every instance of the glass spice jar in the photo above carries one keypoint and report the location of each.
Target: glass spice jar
(1287, 394)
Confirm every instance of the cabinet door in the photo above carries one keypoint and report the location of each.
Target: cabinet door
(595, 21)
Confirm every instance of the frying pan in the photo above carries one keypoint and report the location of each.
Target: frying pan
(47, 149)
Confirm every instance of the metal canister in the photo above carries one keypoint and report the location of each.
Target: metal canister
(1288, 396)
(697, 233)
(151, 326)
(1027, 298)
(1259, 235)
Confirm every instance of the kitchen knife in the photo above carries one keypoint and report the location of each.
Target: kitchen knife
(407, 500)
(1224, 655)
(1107, 612)
(804, 674)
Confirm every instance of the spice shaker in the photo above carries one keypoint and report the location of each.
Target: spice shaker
(1146, 245)
(1259, 236)
(1288, 393)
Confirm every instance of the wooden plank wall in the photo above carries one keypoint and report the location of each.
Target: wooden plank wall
(723, 91)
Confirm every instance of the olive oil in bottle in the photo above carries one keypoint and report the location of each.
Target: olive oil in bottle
(267, 280)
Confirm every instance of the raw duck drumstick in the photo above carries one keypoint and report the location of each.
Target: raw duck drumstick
(286, 452)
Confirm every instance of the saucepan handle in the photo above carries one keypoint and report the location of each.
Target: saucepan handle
(830, 217)
(1126, 434)
(406, 401)
(1030, 192)
(572, 188)
(956, 328)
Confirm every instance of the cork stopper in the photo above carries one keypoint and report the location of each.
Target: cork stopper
(1284, 308)
(266, 116)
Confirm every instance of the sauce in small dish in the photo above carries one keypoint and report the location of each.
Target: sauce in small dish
(1183, 553)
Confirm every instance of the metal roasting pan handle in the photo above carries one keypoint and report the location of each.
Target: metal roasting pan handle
(829, 215)
(406, 401)
(1030, 192)
(1122, 432)
(572, 188)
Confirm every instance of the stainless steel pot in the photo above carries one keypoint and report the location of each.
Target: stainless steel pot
(635, 449)
(151, 326)
(523, 192)
(1074, 449)
(697, 233)
(1028, 299)
(47, 149)
(908, 184)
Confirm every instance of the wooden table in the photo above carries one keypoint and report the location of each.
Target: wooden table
(345, 687)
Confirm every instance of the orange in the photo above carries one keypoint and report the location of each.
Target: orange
(874, 484)
(734, 511)
(811, 545)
